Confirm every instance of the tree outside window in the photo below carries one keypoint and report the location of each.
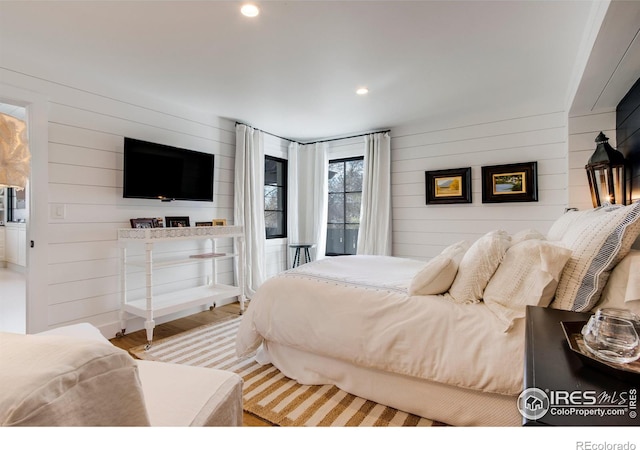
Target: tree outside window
(275, 197)
(345, 199)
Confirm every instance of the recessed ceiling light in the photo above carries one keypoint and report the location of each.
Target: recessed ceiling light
(362, 91)
(250, 10)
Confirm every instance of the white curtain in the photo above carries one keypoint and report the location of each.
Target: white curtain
(374, 236)
(249, 203)
(307, 198)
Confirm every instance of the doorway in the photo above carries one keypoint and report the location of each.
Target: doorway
(14, 214)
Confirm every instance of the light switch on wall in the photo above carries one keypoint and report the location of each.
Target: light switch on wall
(58, 211)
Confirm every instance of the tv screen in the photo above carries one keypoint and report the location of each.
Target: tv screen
(166, 173)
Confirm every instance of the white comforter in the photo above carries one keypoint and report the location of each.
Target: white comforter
(356, 308)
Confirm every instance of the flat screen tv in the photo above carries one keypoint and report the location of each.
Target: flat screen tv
(166, 173)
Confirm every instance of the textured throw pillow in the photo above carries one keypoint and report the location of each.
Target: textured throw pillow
(598, 241)
(525, 235)
(438, 274)
(477, 266)
(562, 224)
(570, 218)
(528, 275)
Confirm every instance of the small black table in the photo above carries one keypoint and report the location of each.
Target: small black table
(307, 255)
(553, 368)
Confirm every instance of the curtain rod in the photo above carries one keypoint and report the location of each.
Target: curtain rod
(346, 137)
(314, 142)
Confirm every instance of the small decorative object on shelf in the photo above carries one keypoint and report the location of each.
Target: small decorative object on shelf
(144, 223)
(219, 222)
(177, 221)
(204, 224)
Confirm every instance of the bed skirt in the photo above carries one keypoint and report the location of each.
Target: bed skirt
(436, 401)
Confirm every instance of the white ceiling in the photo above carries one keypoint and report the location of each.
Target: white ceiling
(294, 69)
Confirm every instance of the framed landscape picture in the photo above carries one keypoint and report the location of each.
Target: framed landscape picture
(448, 186)
(510, 183)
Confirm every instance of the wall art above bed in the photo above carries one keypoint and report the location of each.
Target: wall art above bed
(448, 186)
(510, 183)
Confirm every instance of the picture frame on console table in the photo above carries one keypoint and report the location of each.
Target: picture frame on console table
(448, 186)
(143, 223)
(177, 221)
(219, 222)
(510, 183)
(204, 224)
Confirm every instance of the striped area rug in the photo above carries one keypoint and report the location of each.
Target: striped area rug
(267, 393)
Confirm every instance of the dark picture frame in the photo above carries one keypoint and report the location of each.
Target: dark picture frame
(177, 221)
(144, 223)
(448, 186)
(510, 183)
(204, 224)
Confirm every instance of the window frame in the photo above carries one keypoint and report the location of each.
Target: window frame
(344, 205)
(284, 187)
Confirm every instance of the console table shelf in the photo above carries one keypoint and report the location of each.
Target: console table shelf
(156, 305)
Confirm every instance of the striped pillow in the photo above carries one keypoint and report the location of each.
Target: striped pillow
(598, 241)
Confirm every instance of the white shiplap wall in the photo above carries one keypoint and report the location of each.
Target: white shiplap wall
(86, 133)
(583, 131)
(85, 160)
(422, 231)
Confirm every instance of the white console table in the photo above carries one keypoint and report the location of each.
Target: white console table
(151, 305)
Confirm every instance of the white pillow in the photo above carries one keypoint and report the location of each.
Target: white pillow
(598, 241)
(526, 235)
(438, 274)
(623, 286)
(562, 224)
(477, 266)
(528, 275)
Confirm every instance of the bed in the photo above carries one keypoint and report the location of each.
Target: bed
(442, 339)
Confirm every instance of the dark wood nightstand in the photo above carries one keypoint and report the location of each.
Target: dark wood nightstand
(575, 392)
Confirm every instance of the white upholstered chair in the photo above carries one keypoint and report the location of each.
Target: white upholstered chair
(73, 376)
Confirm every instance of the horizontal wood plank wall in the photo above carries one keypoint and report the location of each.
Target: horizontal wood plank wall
(422, 232)
(628, 135)
(583, 131)
(86, 132)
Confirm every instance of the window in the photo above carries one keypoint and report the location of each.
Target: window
(275, 197)
(345, 198)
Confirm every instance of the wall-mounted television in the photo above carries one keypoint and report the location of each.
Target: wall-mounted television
(166, 173)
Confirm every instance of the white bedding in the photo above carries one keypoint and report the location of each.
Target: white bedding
(356, 309)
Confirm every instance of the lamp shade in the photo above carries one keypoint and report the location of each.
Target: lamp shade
(14, 152)
(606, 171)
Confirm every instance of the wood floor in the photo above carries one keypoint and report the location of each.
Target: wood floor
(164, 330)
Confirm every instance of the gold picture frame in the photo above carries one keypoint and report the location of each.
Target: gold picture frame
(219, 222)
(448, 186)
(510, 183)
